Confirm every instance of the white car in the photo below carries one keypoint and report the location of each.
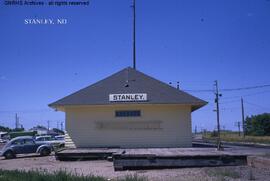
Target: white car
(60, 137)
(50, 140)
(3, 141)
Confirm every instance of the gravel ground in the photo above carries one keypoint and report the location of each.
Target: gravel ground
(105, 169)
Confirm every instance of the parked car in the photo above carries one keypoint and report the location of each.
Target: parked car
(3, 140)
(60, 137)
(25, 145)
(51, 140)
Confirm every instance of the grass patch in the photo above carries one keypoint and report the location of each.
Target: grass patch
(18, 175)
(234, 137)
(223, 173)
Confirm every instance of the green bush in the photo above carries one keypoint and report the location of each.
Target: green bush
(258, 125)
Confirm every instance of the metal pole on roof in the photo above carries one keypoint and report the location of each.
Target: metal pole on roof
(134, 33)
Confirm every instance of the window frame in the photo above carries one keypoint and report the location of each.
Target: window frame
(127, 113)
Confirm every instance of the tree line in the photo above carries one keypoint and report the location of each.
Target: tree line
(7, 129)
(258, 125)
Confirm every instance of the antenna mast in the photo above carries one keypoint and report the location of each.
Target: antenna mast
(134, 33)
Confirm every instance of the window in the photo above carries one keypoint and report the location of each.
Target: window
(40, 139)
(17, 142)
(47, 138)
(28, 142)
(135, 113)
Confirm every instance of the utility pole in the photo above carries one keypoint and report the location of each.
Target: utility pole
(243, 117)
(48, 124)
(217, 110)
(238, 124)
(62, 127)
(134, 33)
(16, 121)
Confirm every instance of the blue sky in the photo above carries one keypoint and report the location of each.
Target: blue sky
(193, 42)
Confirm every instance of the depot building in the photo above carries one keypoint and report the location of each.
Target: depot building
(129, 110)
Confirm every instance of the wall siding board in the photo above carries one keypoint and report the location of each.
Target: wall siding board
(174, 131)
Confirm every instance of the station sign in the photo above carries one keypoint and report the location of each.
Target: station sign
(128, 97)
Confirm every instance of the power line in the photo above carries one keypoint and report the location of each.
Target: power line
(230, 89)
(250, 103)
(27, 111)
(247, 88)
(247, 95)
(227, 102)
(230, 108)
(199, 90)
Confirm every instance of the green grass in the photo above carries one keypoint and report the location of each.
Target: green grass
(234, 137)
(16, 175)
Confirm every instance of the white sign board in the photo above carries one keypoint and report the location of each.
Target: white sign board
(128, 97)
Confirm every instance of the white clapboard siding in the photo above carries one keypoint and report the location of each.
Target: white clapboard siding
(158, 126)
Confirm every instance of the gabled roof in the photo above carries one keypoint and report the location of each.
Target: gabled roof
(138, 82)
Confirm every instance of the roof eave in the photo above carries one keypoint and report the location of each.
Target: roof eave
(198, 106)
(194, 106)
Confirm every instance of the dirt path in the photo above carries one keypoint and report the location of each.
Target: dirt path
(105, 169)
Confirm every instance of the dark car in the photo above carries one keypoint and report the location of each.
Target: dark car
(25, 145)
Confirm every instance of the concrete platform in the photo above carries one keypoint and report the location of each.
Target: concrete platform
(133, 159)
(259, 161)
(137, 162)
(85, 154)
(148, 158)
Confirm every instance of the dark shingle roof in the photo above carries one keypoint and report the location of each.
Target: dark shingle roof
(157, 91)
